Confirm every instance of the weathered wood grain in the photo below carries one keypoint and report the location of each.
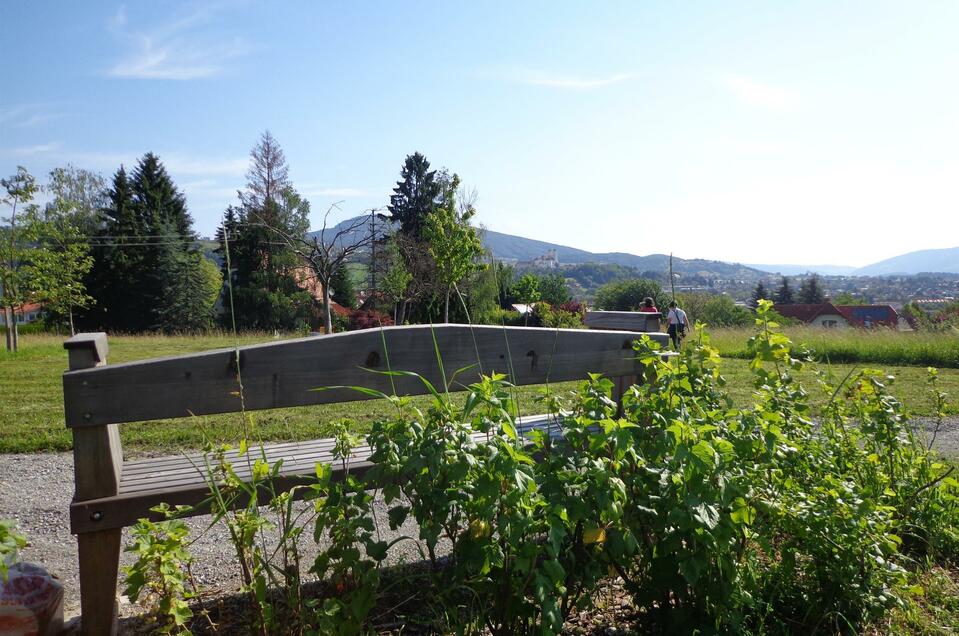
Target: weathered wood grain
(283, 374)
(97, 469)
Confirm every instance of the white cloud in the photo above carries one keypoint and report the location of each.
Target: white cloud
(755, 93)
(37, 149)
(178, 164)
(174, 50)
(569, 82)
(26, 115)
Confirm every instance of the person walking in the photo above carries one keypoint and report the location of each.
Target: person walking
(676, 324)
(648, 307)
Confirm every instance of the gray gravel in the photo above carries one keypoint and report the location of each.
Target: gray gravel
(36, 489)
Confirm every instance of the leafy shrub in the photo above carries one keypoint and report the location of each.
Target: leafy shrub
(368, 319)
(574, 307)
(507, 317)
(628, 295)
(545, 315)
(161, 570)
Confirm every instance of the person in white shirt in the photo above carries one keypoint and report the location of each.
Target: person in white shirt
(676, 320)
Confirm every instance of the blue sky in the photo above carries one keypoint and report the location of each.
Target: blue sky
(814, 132)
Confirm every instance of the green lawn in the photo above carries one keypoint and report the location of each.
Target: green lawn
(876, 346)
(31, 407)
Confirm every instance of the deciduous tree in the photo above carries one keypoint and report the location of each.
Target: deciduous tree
(64, 259)
(453, 243)
(325, 251)
(628, 295)
(14, 285)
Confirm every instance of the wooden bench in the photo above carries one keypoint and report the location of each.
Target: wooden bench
(623, 320)
(112, 493)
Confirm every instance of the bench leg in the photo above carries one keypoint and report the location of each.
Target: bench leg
(99, 566)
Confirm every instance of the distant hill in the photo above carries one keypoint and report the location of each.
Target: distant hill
(509, 246)
(943, 260)
(923, 261)
(795, 270)
(525, 249)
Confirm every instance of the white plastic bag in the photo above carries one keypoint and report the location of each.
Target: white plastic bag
(31, 602)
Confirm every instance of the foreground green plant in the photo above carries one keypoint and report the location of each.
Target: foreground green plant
(161, 575)
(11, 542)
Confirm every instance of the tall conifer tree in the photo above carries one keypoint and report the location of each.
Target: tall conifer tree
(148, 252)
(784, 295)
(264, 270)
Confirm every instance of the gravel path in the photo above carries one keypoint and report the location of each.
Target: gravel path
(35, 490)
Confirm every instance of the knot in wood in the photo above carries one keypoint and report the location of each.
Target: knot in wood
(534, 358)
(373, 360)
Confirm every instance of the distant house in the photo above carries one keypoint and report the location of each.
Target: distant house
(307, 280)
(832, 316)
(23, 315)
(818, 314)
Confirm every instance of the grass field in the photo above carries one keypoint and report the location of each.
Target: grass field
(31, 406)
(877, 346)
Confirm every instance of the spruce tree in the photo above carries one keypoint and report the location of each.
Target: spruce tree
(148, 252)
(415, 195)
(264, 269)
(341, 287)
(759, 293)
(810, 292)
(784, 295)
(113, 281)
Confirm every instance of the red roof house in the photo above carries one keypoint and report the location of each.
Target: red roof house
(829, 315)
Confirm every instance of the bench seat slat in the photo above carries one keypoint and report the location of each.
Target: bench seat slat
(177, 480)
(152, 464)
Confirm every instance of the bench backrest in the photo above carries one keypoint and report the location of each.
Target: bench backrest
(284, 374)
(97, 397)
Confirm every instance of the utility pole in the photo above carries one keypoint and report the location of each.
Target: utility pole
(372, 252)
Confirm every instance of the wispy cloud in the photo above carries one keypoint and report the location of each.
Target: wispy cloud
(25, 116)
(760, 94)
(37, 149)
(179, 164)
(569, 82)
(175, 50)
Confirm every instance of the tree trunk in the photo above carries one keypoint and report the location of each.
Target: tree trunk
(16, 330)
(446, 307)
(402, 317)
(7, 316)
(327, 315)
(70, 314)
